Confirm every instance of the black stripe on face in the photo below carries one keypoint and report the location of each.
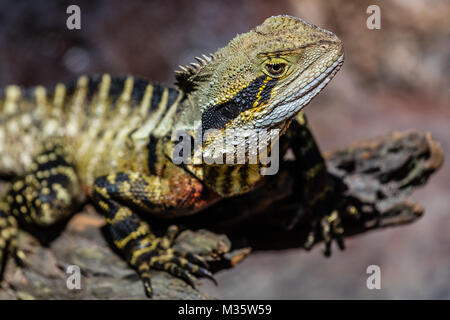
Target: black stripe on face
(216, 117)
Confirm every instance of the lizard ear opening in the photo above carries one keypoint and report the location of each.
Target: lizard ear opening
(190, 76)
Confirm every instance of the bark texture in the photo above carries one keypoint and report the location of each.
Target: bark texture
(375, 175)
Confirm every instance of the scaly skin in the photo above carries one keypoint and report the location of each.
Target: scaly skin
(109, 139)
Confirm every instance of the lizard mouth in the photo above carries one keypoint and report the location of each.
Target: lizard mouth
(289, 107)
(312, 88)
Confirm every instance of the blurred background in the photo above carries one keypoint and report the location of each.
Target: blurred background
(395, 78)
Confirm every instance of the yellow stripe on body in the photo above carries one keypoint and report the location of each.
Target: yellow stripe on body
(146, 100)
(77, 113)
(166, 123)
(149, 125)
(13, 94)
(134, 121)
(79, 117)
(40, 94)
(100, 104)
(43, 110)
(110, 136)
(59, 97)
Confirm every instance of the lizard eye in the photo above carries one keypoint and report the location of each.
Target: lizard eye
(275, 69)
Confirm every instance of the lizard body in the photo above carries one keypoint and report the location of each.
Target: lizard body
(109, 139)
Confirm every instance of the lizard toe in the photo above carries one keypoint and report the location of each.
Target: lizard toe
(329, 227)
(186, 266)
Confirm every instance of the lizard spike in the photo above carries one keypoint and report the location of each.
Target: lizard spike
(200, 60)
(191, 69)
(183, 69)
(206, 58)
(186, 76)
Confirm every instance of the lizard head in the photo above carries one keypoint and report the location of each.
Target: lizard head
(262, 78)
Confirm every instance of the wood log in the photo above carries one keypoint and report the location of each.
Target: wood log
(375, 175)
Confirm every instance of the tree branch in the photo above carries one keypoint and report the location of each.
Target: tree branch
(377, 176)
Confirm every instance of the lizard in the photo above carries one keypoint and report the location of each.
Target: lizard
(109, 140)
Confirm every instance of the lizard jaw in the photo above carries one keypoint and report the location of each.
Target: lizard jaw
(288, 108)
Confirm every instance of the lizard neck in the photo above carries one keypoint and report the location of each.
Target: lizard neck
(188, 117)
(187, 137)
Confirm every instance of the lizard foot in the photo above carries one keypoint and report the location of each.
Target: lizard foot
(158, 254)
(329, 227)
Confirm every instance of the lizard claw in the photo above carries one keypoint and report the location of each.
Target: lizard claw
(184, 265)
(173, 263)
(330, 228)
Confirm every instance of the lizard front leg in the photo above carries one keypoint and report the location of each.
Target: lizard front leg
(119, 196)
(316, 187)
